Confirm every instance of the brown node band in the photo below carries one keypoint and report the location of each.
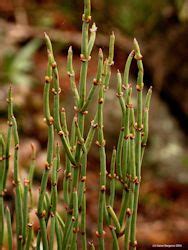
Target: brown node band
(94, 125)
(130, 105)
(126, 137)
(69, 175)
(112, 227)
(85, 112)
(111, 176)
(122, 128)
(61, 133)
(76, 109)
(101, 100)
(20, 237)
(76, 230)
(103, 188)
(52, 214)
(138, 57)
(86, 19)
(111, 63)
(17, 146)
(84, 59)
(83, 232)
(136, 180)
(73, 218)
(137, 128)
(83, 179)
(56, 92)
(132, 136)
(95, 82)
(100, 235)
(41, 215)
(133, 244)
(70, 74)
(9, 123)
(139, 87)
(126, 187)
(128, 212)
(47, 79)
(2, 194)
(143, 145)
(26, 182)
(119, 94)
(2, 158)
(100, 144)
(51, 120)
(126, 86)
(47, 166)
(54, 65)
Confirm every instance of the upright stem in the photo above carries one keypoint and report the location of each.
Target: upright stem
(139, 128)
(9, 228)
(49, 120)
(2, 169)
(101, 144)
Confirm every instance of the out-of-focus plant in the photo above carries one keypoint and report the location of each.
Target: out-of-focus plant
(126, 158)
(17, 66)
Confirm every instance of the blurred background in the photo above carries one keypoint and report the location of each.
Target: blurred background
(161, 28)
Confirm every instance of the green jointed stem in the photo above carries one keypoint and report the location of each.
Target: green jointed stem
(114, 219)
(127, 160)
(111, 49)
(125, 150)
(145, 122)
(121, 135)
(41, 213)
(92, 38)
(127, 68)
(126, 86)
(56, 92)
(92, 247)
(61, 222)
(83, 223)
(52, 232)
(25, 210)
(101, 144)
(54, 197)
(29, 236)
(27, 188)
(2, 169)
(105, 80)
(139, 127)
(84, 52)
(18, 198)
(71, 73)
(9, 228)
(129, 209)
(31, 172)
(68, 173)
(96, 80)
(9, 136)
(64, 123)
(112, 179)
(58, 232)
(47, 207)
(73, 220)
(125, 165)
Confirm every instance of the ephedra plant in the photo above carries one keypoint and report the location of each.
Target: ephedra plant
(69, 232)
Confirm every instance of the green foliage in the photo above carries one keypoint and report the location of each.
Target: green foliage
(125, 163)
(17, 66)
